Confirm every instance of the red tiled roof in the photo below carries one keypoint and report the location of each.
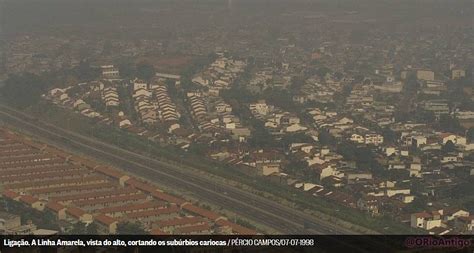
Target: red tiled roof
(422, 215)
(468, 219)
(28, 199)
(189, 220)
(40, 170)
(52, 162)
(236, 228)
(201, 211)
(157, 231)
(54, 206)
(158, 212)
(75, 212)
(116, 199)
(167, 197)
(10, 194)
(132, 207)
(46, 175)
(108, 171)
(193, 229)
(56, 182)
(96, 194)
(143, 186)
(79, 188)
(444, 135)
(104, 219)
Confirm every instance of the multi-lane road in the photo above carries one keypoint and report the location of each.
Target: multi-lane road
(276, 216)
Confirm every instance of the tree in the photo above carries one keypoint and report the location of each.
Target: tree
(260, 136)
(411, 84)
(127, 69)
(171, 86)
(449, 124)
(295, 138)
(338, 75)
(130, 228)
(84, 72)
(198, 148)
(25, 90)
(423, 116)
(296, 83)
(145, 71)
(365, 158)
(294, 166)
(279, 97)
(322, 71)
(80, 228)
(389, 135)
(470, 134)
(325, 138)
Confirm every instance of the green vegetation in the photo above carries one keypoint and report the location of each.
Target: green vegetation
(80, 228)
(130, 228)
(260, 136)
(145, 71)
(24, 90)
(45, 220)
(470, 134)
(450, 124)
(244, 223)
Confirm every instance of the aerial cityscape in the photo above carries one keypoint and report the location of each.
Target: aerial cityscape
(237, 117)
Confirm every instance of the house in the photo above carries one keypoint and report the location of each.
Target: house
(260, 107)
(369, 204)
(125, 123)
(427, 75)
(390, 151)
(33, 202)
(394, 191)
(451, 214)
(110, 72)
(55, 92)
(439, 231)
(9, 222)
(425, 220)
(81, 105)
(295, 128)
(458, 73)
(223, 107)
(449, 158)
(323, 170)
(57, 209)
(149, 117)
(268, 168)
(455, 139)
(139, 84)
(419, 140)
(405, 198)
(78, 214)
(357, 138)
(106, 224)
(353, 176)
(465, 224)
(173, 127)
(374, 139)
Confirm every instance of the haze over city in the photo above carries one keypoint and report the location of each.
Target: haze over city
(237, 117)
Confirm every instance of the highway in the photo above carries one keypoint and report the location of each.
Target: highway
(279, 217)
